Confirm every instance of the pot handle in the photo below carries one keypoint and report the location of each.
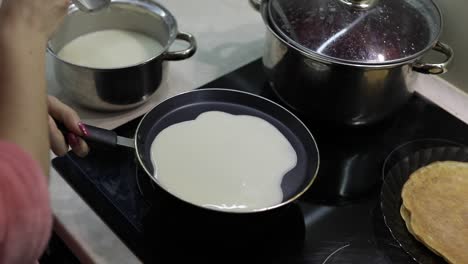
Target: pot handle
(436, 68)
(182, 54)
(256, 4)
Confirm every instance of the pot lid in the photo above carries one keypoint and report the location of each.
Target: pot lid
(358, 31)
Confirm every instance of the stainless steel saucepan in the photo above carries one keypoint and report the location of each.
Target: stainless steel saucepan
(120, 88)
(351, 62)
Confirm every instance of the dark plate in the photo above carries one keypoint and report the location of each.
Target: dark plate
(391, 200)
(406, 149)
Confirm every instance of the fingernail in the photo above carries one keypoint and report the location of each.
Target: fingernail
(83, 129)
(72, 139)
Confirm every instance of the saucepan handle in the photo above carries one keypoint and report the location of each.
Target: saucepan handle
(182, 54)
(436, 68)
(99, 136)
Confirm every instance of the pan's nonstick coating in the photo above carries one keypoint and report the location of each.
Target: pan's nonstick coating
(189, 105)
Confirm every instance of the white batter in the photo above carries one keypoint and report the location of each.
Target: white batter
(228, 162)
(111, 48)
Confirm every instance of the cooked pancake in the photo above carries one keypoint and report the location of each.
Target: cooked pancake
(407, 218)
(435, 208)
(405, 214)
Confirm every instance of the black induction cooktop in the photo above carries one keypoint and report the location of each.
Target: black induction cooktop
(338, 220)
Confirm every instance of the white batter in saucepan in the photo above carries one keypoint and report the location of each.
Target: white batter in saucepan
(112, 48)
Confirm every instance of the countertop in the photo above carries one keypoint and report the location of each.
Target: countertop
(229, 34)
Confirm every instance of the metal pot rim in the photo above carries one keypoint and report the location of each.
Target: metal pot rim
(327, 59)
(151, 6)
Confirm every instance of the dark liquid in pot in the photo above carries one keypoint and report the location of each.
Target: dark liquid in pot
(388, 31)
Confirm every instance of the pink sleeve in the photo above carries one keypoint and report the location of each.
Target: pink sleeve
(25, 214)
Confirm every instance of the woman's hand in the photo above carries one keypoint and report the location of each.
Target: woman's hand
(25, 27)
(39, 16)
(69, 118)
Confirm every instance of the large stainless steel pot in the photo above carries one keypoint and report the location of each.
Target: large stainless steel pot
(118, 88)
(351, 62)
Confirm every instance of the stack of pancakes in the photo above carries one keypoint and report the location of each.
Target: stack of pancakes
(435, 208)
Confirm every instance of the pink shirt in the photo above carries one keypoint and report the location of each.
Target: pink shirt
(25, 213)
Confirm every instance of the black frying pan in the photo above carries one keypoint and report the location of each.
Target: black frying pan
(188, 106)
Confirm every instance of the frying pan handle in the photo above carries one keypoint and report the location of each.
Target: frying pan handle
(101, 136)
(95, 134)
